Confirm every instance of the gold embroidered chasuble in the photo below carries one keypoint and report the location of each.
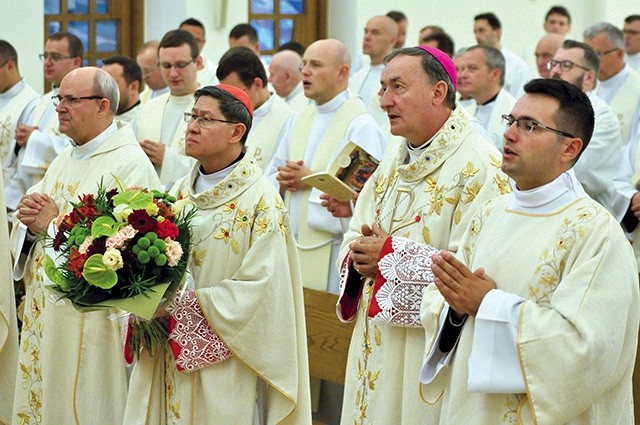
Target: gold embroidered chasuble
(175, 164)
(578, 327)
(70, 364)
(8, 325)
(247, 283)
(430, 201)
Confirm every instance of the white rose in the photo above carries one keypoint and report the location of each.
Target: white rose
(113, 259)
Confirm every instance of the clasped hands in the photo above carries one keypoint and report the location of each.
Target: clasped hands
(290, 176)
(365, 251)
(463, 289)
(36, 211)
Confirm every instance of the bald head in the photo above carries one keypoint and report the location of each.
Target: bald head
(325, 73)
(380, 37)
(545, 50)
(285, 72)
(90, 100)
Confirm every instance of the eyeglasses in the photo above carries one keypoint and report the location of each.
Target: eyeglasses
(204, 122)
(53, 56)
(72, 100)
(177, 65)
(530, 125)
(606, 52)
(565, 65)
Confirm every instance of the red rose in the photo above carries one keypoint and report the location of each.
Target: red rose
(167, 229)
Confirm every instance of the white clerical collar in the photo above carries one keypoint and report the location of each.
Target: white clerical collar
(160, 92)
(13, 91)
(263, 109)
(85, 151)
(207, 181)
(293, 93)
(547, 198)
(333, 104)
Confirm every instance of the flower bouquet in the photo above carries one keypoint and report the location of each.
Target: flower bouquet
(124, 249)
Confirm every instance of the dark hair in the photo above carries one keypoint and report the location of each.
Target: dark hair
(433, 69)
(245, 63)
(558, 10)
(445, 43)
(591, 58)
(241, 30)
(491, 18)
(631, 18)
(575, 112)
(130, 69)
(293, 45)
(8, 52)
(192, 22)
(397, 16)
(230, 107)
(177, 38)
(76, 49)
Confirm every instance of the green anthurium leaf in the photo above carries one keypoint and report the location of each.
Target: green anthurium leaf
(135, 199)
(54, 274)
(98, 274)
(103, 226)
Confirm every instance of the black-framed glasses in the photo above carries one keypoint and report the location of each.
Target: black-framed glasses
(53, 56)
(529, 125)
(565, 65)
(72, 100)
(177, 65)
(607, 51)
(204, 122)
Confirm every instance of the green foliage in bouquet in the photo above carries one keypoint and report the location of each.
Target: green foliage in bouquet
(122, 248)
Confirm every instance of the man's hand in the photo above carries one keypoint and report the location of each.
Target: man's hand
(36, 211)
(635, 204)
(154, 150)
(23, 132)
(336, 208)
(290, 175)
(365, 251)
(462, 289)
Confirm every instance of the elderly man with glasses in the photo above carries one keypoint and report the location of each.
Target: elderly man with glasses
(619, 83)
(159, 126)
(67, 359)
(37, 140)
(535, 318)
(577, 63)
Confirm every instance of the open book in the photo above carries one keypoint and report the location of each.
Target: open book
(347, 174)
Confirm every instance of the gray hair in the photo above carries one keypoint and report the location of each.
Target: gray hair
(614, 34)
(105, 86)
(433, 69)
(493, 58)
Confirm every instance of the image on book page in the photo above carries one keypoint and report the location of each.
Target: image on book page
(347, 174)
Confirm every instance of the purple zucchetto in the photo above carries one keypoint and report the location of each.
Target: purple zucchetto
(445, 61)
